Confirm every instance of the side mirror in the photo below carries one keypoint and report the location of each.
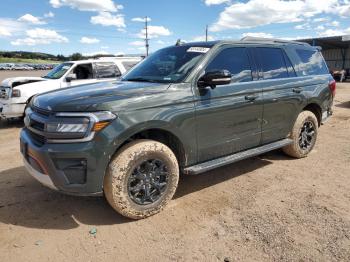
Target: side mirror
(71, 77)
(214, 78)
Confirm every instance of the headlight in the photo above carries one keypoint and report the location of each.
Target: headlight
(77, 125)
(67, 128)
(16, 93)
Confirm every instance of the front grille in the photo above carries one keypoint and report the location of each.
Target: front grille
(41, 111)
(37, 125)
(4, 92)
(38, 140)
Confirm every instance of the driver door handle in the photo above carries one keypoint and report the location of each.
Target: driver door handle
(297, 90)
(251, 97)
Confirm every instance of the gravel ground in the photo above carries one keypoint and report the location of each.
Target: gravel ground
(267, 208)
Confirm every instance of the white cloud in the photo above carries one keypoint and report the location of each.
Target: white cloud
(320, 19)
(39, 36)
(88, 5)
(49, 15)
(258, 34)
(102, 52)
(137, 43)
(104, 47)
(4, 32)
(320, 28)
(303, 26)
(154, 31)
(257, 13)
(141, 19)
(31, 19)
(335, 23)
(160, 42)
(343, 9)
(334, 32)
(88, 40)
(201, 38)
(10, 27)
(296, 38)
(216, 2)
(107, 19)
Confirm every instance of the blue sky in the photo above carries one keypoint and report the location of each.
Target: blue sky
(107, 26)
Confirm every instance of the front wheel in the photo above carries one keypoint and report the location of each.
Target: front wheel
(141, 179)
(304, 135)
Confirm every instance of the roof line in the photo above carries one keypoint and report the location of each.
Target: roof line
(272, 40)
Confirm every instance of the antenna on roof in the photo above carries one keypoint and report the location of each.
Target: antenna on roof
(178, 42)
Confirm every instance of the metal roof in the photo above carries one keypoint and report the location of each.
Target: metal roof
(333, 42)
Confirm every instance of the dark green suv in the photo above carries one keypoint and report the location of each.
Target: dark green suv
(185, 109)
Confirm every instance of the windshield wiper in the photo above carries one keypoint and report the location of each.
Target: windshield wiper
(140, 79)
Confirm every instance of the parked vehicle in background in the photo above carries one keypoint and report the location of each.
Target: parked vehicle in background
(16, 93)
(6, 66)
(187, 108)
(341, 75)
(23, 67)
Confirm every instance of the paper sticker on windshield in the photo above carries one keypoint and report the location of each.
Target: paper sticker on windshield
(65, 67)
(198, 49)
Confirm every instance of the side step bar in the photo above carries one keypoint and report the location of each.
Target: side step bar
(222, 161)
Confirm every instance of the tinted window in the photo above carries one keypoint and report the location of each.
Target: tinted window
(129, 64)
(290, 68)
(234, 60)
(83, 71)
(311, 62)
(272, 63)
(107, 70)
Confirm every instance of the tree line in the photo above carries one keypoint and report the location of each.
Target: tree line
(43, 56)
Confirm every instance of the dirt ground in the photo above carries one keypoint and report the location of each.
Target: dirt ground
(267, 208)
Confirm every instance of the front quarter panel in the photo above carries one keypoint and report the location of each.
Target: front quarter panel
(171, 110)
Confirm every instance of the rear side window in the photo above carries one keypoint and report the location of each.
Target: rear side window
(234, 60)
(311, 62)
(129, 64)
(290, 68)
(107, 70)
(273, 63)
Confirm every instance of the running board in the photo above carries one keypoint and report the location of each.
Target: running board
(222, 161)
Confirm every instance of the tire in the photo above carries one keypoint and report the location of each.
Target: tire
(303, 144)
(124, 172)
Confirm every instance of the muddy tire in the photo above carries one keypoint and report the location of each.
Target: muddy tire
(304, 135)
(141, 179)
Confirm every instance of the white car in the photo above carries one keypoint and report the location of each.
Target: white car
(16, 92)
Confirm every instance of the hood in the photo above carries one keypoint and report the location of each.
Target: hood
(21, 80)
(95, 97)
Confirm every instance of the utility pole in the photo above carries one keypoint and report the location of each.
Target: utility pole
(206, 33)
(146, 40)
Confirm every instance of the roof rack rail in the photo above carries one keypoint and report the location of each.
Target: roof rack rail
(272, 40)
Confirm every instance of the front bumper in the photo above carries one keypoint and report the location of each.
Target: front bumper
(42, 178)
(75, 169)
(11, 110)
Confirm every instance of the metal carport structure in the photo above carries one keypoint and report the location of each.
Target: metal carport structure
(335, 50)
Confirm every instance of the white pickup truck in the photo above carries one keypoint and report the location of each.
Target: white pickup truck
(16, 92)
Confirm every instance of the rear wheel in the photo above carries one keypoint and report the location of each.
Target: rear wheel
(304, 135)
(141, 179)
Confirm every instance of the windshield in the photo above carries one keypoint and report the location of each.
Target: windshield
(168, 65)
(58, 71)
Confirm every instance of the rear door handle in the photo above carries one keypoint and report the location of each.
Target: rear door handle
(297, 90)
(251, 97)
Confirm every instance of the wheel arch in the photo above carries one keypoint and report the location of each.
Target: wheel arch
(162, 135)
(316, 109)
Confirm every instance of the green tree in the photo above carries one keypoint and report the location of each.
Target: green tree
(76, 56)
